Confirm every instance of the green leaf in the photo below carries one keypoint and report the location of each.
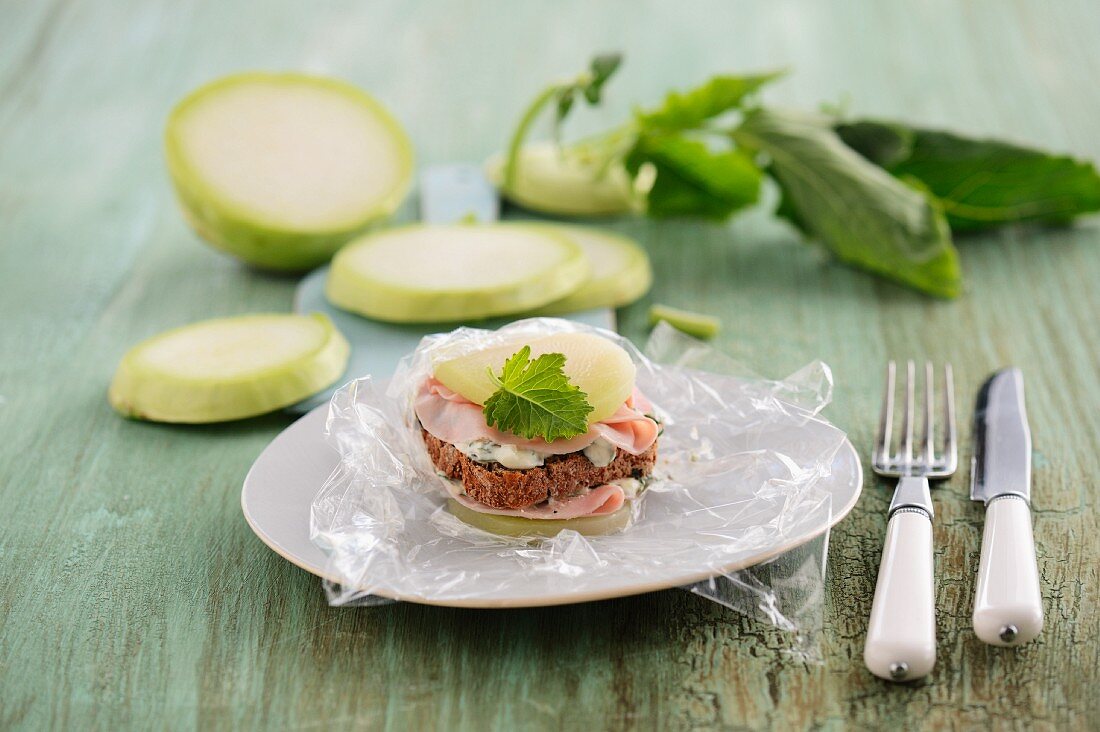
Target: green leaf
(786, 208)
(864, 216)
(692, 180)
(690, 109)
(535, 399)
(883, 143)
(589, 85)
(602, 68)
(564, 103)
(981, 184)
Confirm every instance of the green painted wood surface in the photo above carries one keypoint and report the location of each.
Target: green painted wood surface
(132, 594)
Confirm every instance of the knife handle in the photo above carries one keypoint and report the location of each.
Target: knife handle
(1008, 609)
(901, 637)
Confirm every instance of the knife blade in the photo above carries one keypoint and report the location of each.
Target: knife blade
(1008, 608)
(1002, 439)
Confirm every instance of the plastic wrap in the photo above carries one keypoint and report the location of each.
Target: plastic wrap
(738, 481)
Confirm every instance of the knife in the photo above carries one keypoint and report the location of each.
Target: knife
(1008, 609)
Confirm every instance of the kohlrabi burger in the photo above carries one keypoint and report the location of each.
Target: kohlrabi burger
(540, 435)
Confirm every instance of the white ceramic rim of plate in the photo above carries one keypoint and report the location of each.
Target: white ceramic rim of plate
(847, 454)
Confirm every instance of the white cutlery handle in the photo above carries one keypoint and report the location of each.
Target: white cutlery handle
(1008, 608)
(901, 638)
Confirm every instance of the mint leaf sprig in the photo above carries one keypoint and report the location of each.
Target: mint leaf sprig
(535, 399)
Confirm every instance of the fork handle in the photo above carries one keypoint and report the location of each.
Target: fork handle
(901, 637)
(1008, 608)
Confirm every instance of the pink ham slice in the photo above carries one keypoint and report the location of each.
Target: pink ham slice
(598, 501)
(452, 418)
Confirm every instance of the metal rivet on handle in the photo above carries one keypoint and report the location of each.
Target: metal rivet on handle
(899, 670)
(1009, 633)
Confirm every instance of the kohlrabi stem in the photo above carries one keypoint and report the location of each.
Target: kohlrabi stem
(607, 147)
(511, 164)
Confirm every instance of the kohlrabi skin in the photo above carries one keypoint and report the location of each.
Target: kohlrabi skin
(563, 182)
(425, 273)
(281, 170)
(698, 325)
(621, 272)
(228, 368)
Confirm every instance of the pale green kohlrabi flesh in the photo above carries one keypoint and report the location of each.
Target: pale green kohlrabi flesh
(518, 526)
(444, 273)
(595, 365)
(228, 368)
(281, 170)
(564, 182)
(620, 272)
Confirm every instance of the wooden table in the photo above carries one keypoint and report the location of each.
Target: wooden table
(132, 594)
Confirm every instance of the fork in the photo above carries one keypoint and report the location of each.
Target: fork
(901, 637)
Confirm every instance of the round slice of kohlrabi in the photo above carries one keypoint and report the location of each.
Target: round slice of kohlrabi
(597, 366)
(518, 526)
(281, 170)
(563, 182)
(620, 271)
(443, 273)
(228, 368)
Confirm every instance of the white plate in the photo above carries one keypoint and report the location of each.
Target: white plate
(281, 484)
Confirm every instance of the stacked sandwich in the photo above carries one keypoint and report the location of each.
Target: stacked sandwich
(539, 436)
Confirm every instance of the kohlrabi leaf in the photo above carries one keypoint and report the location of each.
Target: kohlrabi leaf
(690, 109)
(601, 67)
(864, 216)
(535, 398)
(980, 184)
(785, 209)
(883, 143)
(693, 180)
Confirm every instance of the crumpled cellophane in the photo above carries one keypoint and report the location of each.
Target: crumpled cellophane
(741, 479)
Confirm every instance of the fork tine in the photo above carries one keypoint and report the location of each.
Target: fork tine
(951, 446)
(907, 418)
(928, 453)
(880, 456)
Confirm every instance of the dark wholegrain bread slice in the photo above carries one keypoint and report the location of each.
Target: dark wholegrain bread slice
(559, 477)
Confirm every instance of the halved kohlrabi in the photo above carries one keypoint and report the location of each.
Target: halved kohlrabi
(228, 368)
(281, 170)
(438, 273)
(597, 366)
(563, 182)
(620, 272)
(517, 526)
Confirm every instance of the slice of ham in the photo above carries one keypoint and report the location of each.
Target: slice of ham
(453, 418)
(602, 499)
